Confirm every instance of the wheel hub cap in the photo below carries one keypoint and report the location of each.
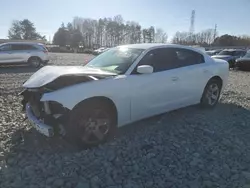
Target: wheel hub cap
(94, 130)
(212, 94)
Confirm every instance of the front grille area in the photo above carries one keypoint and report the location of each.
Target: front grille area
(33, 98)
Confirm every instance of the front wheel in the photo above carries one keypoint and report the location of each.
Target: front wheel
(91, 124)
(211, 94)
(34, 62)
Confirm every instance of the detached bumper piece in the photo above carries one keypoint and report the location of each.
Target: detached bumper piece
(38, 124)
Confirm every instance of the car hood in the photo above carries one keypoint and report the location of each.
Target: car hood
(48, 74)
(222, 56)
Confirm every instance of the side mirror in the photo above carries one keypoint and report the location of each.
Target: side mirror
(145, 69)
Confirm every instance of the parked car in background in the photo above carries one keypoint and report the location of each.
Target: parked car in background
(230, 55)
(244, 62)
(100, 50)
(33, 54)
(199, 48)
(120, 86)
(213, 52)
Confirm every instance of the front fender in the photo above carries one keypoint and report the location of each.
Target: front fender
(72, 95)
(117, 90)
(66, 96)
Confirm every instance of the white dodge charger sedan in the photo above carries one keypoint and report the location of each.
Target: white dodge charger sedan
(124, 84)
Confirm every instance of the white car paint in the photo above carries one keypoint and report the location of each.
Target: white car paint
(138, 96)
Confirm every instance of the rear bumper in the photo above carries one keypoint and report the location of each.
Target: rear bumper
(38, 124)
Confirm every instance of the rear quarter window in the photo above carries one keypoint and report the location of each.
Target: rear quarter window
(189, 57)
(42, 47)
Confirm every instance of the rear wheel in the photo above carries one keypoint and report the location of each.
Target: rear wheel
(211, 93)
(34, 62)
(91, 124)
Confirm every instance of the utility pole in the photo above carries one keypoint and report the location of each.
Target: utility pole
(215, 31)
(191, 29)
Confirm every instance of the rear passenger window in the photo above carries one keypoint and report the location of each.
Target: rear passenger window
(22, 47)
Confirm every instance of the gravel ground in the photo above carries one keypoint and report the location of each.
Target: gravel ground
(186, 148)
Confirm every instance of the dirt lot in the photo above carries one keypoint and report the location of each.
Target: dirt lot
(186, 148)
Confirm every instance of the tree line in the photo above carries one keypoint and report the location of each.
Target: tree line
(209, 37)
(110, 32)
(107, 32)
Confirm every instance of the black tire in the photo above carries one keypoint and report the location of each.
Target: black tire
(76, 130)
(34, 62)
(207, 93)
(231, 64)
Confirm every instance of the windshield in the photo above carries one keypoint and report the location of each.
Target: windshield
(226, 52)
(116, 60)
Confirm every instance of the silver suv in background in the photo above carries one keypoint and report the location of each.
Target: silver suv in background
(33, 54)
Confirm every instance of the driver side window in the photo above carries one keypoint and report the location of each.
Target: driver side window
(160, 59)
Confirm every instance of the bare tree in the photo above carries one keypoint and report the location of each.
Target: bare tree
(114, 31)
(204, 38)
(160, 36)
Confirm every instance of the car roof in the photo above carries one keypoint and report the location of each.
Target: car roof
(144, 45)
(147, 46)
(22, 43)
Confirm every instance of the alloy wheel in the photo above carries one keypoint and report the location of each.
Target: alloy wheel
(94, 128)
(35, 62)
(212, 94)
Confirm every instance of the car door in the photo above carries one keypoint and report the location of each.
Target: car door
(157, 92)
(18, 52)
(193, 74)
(5, 53)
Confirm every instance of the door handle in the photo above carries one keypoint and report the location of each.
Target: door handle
(175, 78)
(205, 70)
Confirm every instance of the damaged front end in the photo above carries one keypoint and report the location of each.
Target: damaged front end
(49, 117)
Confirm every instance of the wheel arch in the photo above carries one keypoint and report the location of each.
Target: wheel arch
(217, 78)
(34, 56)
(102, 99)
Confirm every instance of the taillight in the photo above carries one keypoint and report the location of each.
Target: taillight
(45, 51)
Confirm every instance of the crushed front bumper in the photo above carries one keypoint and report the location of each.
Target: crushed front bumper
(38, 124)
